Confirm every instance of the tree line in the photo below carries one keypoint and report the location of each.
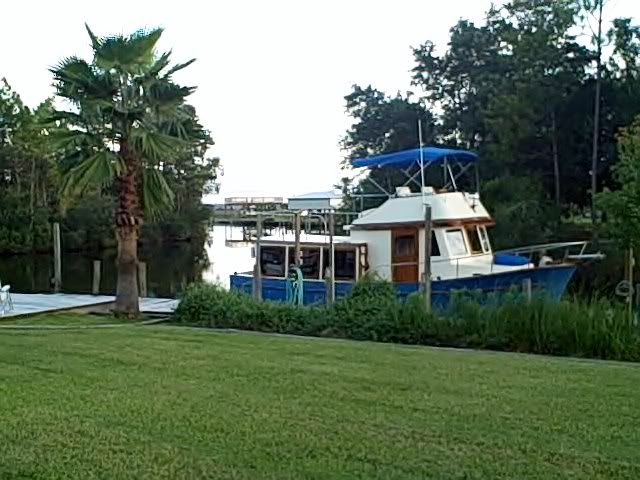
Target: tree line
(540, 89)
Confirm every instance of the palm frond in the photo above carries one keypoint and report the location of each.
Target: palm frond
(67, 138)
(178, 67)
(133, 53)
(157, 196)
(98, 170)
(155, 145)
(74, 78)
(65, 117)
(159, 64)
(167, 92)
(95, 41)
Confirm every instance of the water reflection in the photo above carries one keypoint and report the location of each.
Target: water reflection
(169, 267)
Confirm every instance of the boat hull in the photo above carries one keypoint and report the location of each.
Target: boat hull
(553, 280)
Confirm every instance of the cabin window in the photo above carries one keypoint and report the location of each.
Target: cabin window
(272, 261)
(435, 248)
(310, 264)
(484, 238)
(475, 242)
(345, 263)
(457, 245)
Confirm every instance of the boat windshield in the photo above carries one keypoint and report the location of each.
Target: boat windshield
(475, 242)
(455, 240)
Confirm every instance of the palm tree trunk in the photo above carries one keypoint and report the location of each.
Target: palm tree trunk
(127, 286)
(128, 220)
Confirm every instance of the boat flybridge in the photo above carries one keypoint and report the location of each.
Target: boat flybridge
(390, 241)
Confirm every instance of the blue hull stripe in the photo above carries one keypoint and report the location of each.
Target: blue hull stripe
(551, 279)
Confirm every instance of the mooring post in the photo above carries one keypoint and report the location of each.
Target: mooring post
(427, 257)
(327, 285)
(57, 258)
(95, 284)
(142, 278)
(257, 270)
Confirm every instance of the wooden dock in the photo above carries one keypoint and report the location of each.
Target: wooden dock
(25, 304)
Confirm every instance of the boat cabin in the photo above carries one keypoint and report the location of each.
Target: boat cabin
(394, 234)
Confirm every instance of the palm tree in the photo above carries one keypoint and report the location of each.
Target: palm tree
(126, 124)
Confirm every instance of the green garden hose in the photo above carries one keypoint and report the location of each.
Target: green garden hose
(295, 286)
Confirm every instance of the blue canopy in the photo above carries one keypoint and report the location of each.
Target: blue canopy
(406, 158)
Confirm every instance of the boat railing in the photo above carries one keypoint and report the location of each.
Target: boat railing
(571, 251)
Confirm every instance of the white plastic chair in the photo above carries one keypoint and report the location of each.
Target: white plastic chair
(5, 298)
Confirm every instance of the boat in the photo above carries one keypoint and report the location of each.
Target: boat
(389, 241)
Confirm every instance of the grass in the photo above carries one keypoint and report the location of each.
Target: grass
(173, 402)
(62, 319)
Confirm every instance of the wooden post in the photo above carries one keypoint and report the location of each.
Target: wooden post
(332, 261)
(296, 227)
(95, 284)
(257, 270)
(528, 290)
(57, 258)
(427, 257)
(142, 278)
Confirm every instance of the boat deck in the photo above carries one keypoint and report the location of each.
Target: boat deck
(38, 303)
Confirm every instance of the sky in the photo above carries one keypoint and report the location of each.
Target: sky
(271, 74)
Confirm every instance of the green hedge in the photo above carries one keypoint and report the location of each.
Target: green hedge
(597, 329)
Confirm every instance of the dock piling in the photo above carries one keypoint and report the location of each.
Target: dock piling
(57, 258)
(142, 278)
(95, 284)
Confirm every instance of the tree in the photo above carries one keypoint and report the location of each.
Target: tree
(622, 206)
(382, 124)
(26, 168)
(487, 80)
(126, 127)
(462, 81)
(546, 62)
(595, 8)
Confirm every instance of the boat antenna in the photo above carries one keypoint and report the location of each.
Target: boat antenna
(421, 161)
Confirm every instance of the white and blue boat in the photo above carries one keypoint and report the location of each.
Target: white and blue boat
(389, 241)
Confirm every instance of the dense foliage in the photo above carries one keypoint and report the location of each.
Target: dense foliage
(520, 89)
(32, 168)
(597, 328)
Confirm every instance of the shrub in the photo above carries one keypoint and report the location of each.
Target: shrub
(369, 312)
(207, 305)
(597, 328)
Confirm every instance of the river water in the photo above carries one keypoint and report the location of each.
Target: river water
(169, 267)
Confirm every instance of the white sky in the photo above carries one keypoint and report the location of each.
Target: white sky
(271, 74)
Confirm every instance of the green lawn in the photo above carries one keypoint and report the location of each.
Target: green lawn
(169, 402)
